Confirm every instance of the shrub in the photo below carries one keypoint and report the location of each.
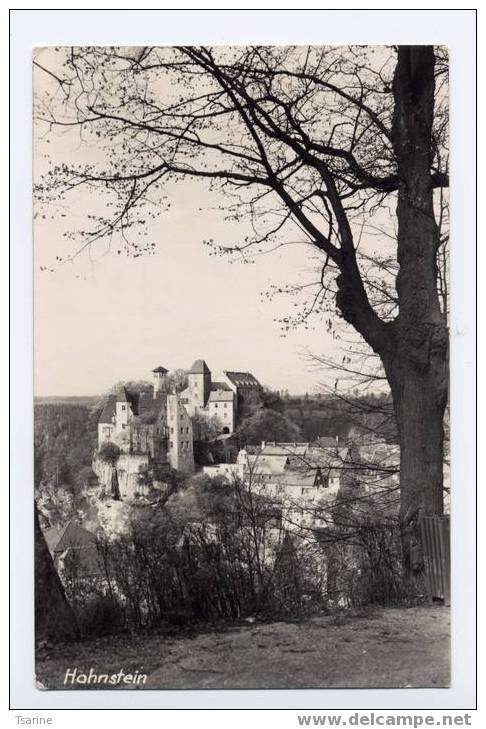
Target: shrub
(109, 453)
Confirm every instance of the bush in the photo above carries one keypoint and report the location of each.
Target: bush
(109, 453)
(219, 554)
(99, 615)
(268, 425)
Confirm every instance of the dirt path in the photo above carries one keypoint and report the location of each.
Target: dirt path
(382, 648)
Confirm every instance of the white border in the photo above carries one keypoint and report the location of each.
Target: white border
(454, 28)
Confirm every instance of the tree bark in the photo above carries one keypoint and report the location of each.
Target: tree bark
(416, 358)
(419, 401)
(54, 618)
(414, 347)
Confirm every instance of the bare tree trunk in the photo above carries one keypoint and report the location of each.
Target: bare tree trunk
(54, 617)
(416, 357)
(419, 406)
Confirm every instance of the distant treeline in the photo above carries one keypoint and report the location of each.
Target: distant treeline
(65, 437)
(88, 401)
(343, 417)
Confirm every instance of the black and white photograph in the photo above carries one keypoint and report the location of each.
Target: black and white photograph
(241, 262)
(244, 366)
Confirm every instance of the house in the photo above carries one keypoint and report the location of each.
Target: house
(299, 477)
(73, 550)
(222, 398)
(209, 398)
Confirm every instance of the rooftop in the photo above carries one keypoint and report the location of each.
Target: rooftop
(220, 386)
(122, 395)
(199, 367)
(108, 411)
(70, 535)
(221, 395)
(242, 379)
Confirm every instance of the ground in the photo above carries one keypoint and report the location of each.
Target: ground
(393, 647)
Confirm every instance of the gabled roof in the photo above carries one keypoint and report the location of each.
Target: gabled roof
(262, 464)
(221, 395)
(242, 379)
(149, 407)
(220, 386)
(285, 449)
(295, 478)
(199, 367)
(329, 459)
(52, 537)
(71, 535)
(160, 369)
(108, 411)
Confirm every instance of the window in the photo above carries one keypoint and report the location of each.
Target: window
(171, 445)
(124, 426)
(124, 407)
(182, 431)
(172, 431)
(225, 405)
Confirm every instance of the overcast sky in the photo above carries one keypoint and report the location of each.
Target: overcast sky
(118, 318)
(107, 317)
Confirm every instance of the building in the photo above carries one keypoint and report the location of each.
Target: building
(73, 550)
(154, 424)
(300, 478)
(305, 479)
(245, 386)
(222, 398)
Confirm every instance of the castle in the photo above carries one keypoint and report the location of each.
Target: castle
(158, 424)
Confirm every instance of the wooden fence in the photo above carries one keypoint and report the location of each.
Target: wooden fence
(435, 531)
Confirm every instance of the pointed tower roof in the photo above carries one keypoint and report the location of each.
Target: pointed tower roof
(160, 369)
(109, 410)
(199, 368)
(122, 395)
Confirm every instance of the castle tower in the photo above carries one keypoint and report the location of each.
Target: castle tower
(158, 377)
(122, 410)
(180, 439)
(199, 377)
